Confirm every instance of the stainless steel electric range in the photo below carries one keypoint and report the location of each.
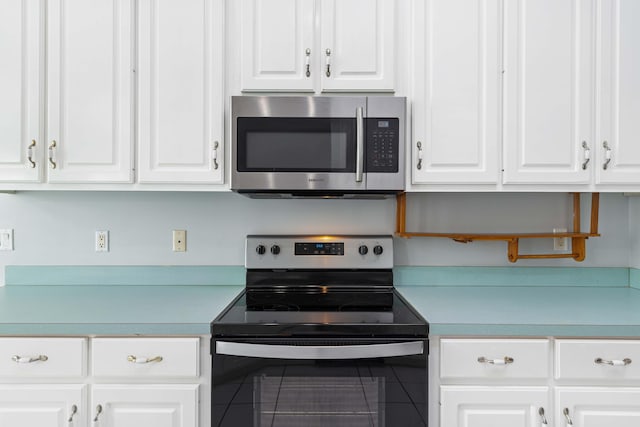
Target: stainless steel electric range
(319, 337)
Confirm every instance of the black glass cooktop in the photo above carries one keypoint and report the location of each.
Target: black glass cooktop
(354, 313)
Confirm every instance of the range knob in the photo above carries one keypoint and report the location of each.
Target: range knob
(260, 249)
(377, 249)
(363, 250)
(275, 249)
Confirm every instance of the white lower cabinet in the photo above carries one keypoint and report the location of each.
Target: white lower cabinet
(472, 406)
(494, 382)
(597, 406)
(130, 382)
(42, 405)
(488, 382)
(157, 405)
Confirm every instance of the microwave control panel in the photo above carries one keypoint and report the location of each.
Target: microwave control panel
(383, 144)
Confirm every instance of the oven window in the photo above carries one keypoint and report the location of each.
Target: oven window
(319, 401)
(296, 144)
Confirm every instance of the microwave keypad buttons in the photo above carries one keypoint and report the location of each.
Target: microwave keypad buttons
(382, 145)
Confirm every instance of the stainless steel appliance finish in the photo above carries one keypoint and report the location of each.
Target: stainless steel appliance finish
(319, 338)
(308, 146)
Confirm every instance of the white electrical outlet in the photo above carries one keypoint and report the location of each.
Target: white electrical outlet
(179, 240)
(560, 243)
(102, 241)
(6, 239)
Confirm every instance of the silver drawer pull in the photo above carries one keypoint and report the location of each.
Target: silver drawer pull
(543, 418)
(30, 153)
(27, 359)
(214, 155)
(74, 410)
(587, 154)
(565, 412)
(504, 361)
(98, 412)
(134, 359)
(623, 362)
(52, 155)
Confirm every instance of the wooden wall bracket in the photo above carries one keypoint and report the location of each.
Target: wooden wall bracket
(578, 238)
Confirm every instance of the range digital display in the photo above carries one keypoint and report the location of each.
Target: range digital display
(319, 248)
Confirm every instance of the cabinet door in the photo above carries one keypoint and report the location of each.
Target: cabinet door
(37, 405)
(598, 406)
(619, 103)
(20, 86)
(466, 406)
(357, 45)
(456, 108)
(89, 55)
(548, 83)
(180, 108)
(277, 44)
(145, 405)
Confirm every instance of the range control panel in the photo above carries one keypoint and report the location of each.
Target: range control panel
(319, 251)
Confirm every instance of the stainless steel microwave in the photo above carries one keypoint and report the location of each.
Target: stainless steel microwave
(318, 146)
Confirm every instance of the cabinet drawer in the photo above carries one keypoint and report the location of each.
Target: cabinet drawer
(42, 357)
(145, 357)
(494, 359)
(601, 359)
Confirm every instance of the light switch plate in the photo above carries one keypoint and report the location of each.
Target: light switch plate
(6, 239)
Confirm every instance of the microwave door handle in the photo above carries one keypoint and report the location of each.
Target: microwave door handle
(299, 352)
(359, 144)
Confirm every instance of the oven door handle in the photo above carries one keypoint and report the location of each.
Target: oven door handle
(368, 351)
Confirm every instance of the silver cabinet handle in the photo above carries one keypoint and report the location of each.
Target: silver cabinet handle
(543, 418)
(607, 155)
(299, 352)
(587, 154)
(359, 144)
(30, 153)
(328, 61)
(74, 410)
(623, 362)
(28, 359)
(307, 62)
(142, 360)
(565, 412)
(419, 165)
(504, 361)
(52, 154)
(214, 155)
(98, 412)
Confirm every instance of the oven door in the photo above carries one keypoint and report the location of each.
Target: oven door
(298, 143)
(319, 382)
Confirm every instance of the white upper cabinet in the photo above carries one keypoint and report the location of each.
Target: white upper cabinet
(317, 45)
(457, 76)
(277, 45)
(90, 90)
(618, 124)
(180, 91)
(357, 45)
(548, 91)
(21, 91)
